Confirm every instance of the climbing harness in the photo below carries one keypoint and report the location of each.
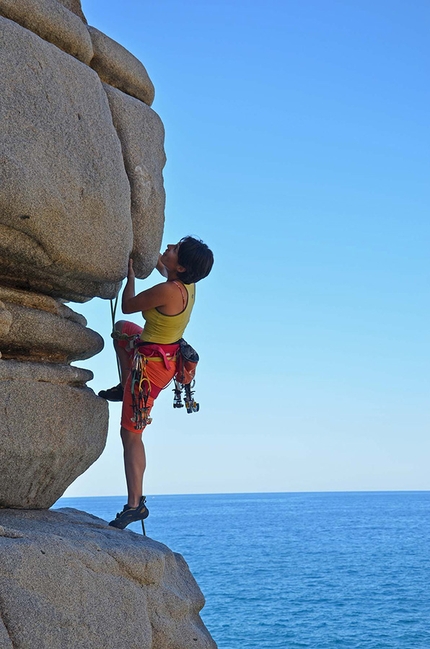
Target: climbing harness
(140, 384)
(186, 362)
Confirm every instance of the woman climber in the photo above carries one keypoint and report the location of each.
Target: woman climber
(150, 354)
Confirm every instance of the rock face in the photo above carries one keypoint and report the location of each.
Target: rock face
(71, 200)
(66, 196)
(51, 426)
(41, 328)
(53, 22)
(68, 580)
(117, 67)
(81, 190)
(144, 159)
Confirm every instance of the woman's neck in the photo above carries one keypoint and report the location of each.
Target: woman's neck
(172, 276)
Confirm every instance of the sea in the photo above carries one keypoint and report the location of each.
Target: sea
(300, 570)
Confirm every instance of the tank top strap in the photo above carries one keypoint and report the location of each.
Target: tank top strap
(185, 297)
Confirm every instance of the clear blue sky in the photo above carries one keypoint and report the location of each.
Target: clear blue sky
(298, 148)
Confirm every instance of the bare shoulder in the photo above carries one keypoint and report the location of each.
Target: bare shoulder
(166, 288)
(157, 296)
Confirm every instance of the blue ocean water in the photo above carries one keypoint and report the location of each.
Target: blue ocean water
(300, 570)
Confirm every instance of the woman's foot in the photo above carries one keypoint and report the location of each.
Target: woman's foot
(130, 515)
(113, 394)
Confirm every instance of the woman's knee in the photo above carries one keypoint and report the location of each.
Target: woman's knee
(118, 330)
(118, 326)
(130, 438)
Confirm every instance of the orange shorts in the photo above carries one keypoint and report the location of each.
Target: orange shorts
(158, 374)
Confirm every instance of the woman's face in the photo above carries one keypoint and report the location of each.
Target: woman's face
(170, 256)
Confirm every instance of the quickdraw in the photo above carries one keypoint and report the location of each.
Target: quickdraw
(184, 378)
(189, 401)
(140, 391)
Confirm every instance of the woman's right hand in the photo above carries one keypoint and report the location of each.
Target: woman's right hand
(130, 274)
(161, 267)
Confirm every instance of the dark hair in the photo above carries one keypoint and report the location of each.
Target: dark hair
(196, 258)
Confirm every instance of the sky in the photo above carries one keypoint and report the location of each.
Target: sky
(297, 147)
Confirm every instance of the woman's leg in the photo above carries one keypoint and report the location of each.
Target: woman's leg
(134, 463)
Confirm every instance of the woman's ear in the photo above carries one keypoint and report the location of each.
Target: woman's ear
(180, 269)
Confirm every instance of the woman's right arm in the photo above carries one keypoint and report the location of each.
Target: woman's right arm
(157, 296)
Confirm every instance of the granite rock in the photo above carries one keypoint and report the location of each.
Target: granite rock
(5, 641)
(141, 133)
(65, 222)
(75, 7)
(52, 429)
(44, 329)
(119, 68)
(69, 580)
(5, 320)
(52, 21)
(39, 301)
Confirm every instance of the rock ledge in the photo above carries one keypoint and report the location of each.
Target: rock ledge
(69, 580)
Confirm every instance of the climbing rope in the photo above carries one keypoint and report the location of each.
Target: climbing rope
(113, 306)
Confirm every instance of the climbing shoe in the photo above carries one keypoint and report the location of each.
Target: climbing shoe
(130, 515)
(113, 394)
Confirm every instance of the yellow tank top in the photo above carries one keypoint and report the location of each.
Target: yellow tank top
(167, 329)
